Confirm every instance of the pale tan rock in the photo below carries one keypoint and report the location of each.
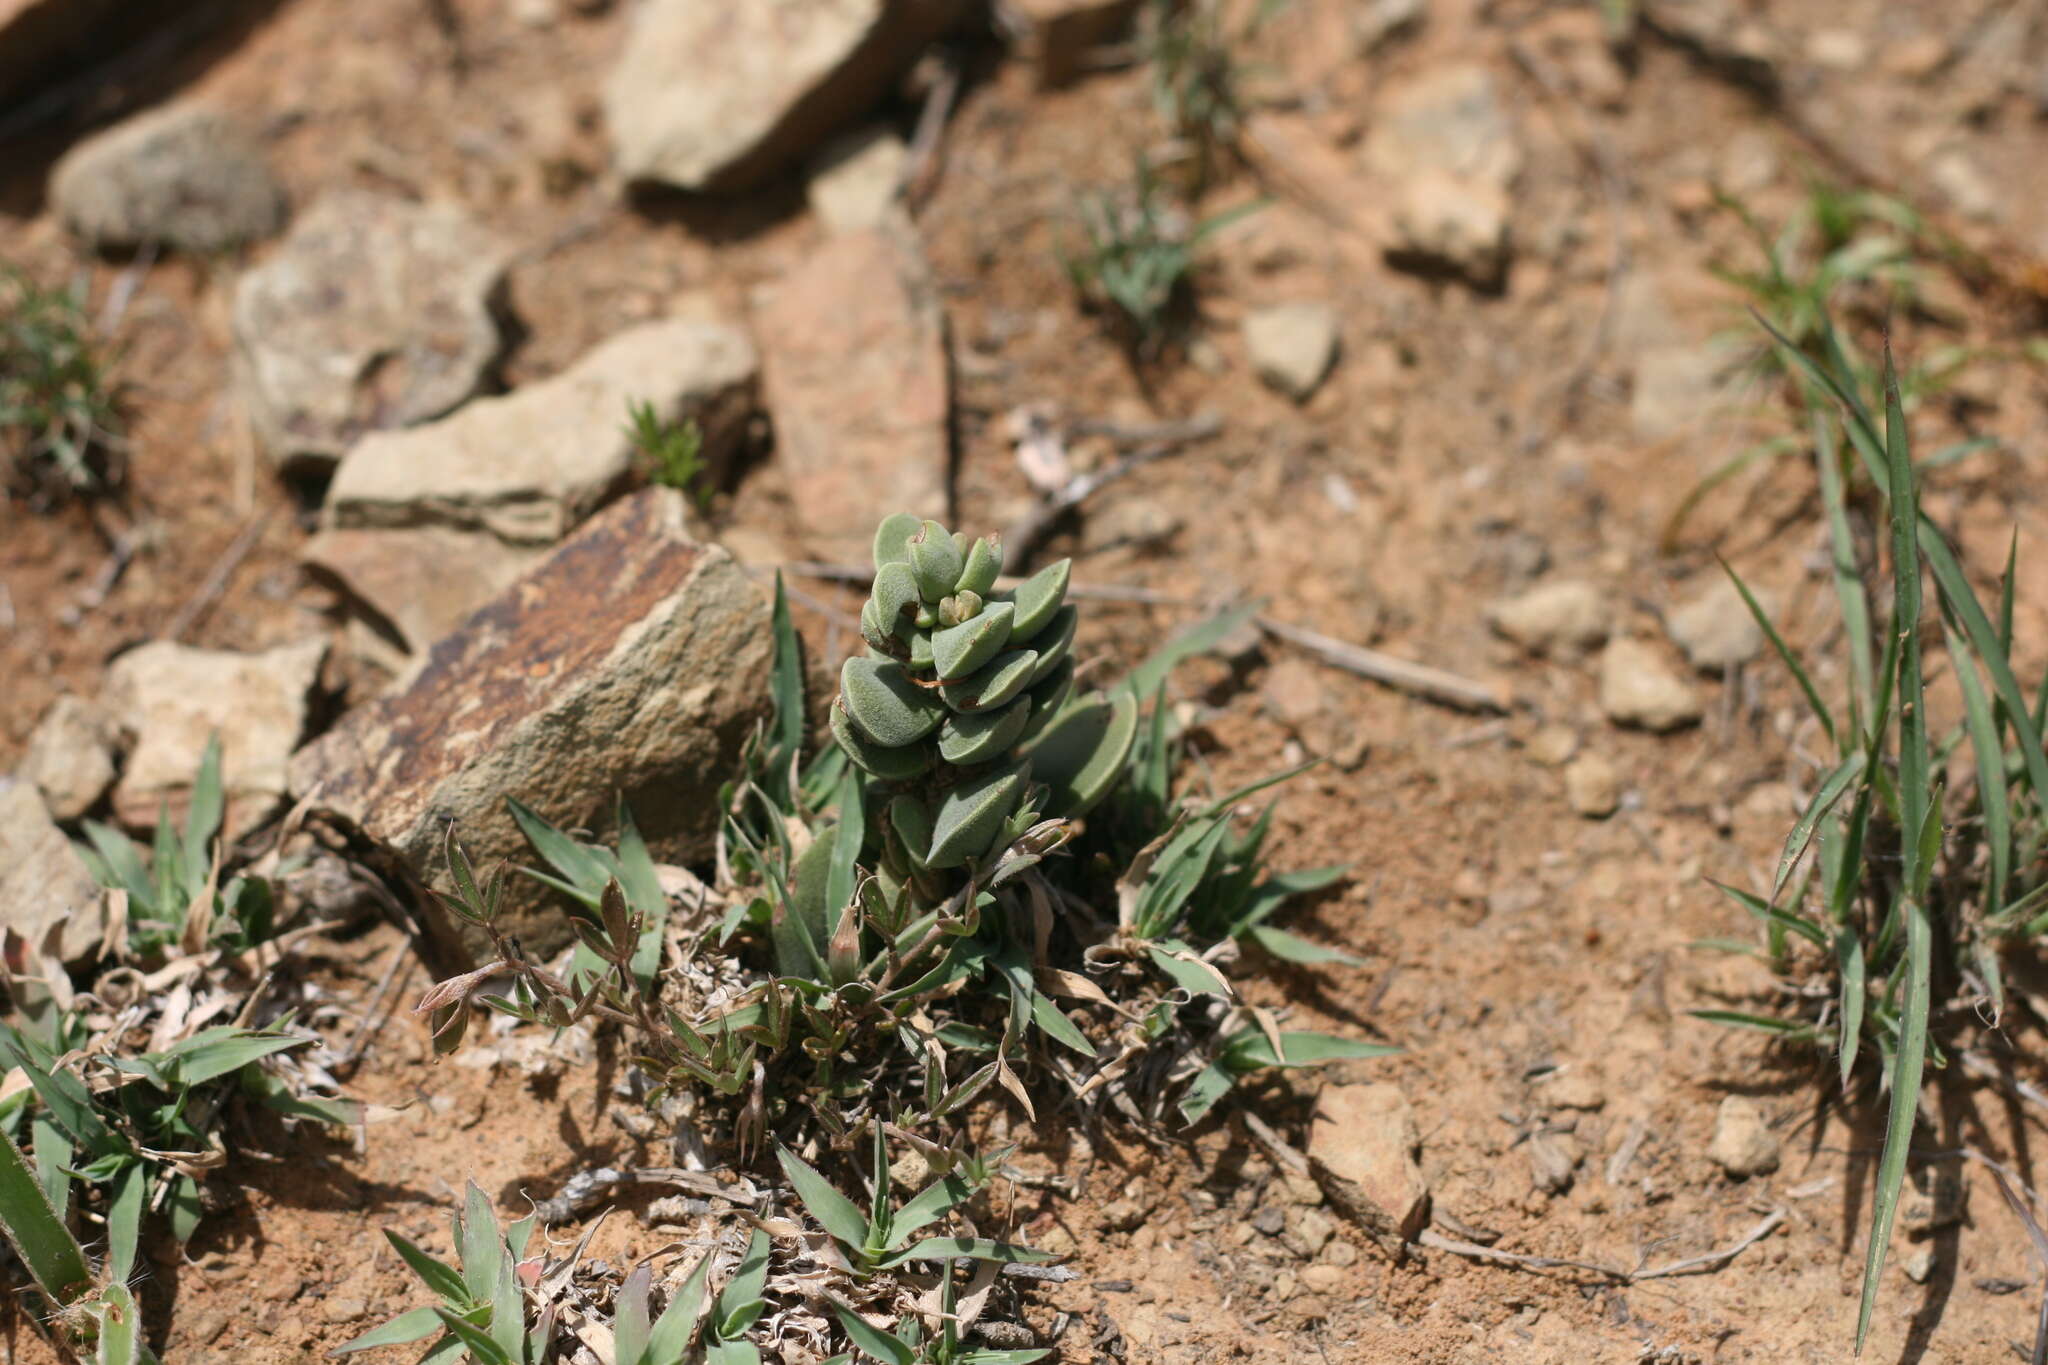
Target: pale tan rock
(373, 312)
(1560, 615)
(528, 466)
(1743, 1144)
(1361, 1149)
(1592, 786)
(1715, 627)
(716, 96)
(70, 757)
(1637, 688)
(855, 180)
(411, 587)
(171, 698)
(45, 887)
(187, 177)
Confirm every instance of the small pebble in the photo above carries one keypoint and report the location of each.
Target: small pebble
(1638, 689)
(1592, 787)
(1743, 1144)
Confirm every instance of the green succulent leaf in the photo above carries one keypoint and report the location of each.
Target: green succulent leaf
(1005, 676)
(971, 815)
(892, 539)
(912, 821)
(1081, 754)
(895, 592)
(984, 566)
(1054, 644)
(885, 705)
(937, 560)
(1037, 598)
(1049, 696)
(982, 736)
(958, 651)
(891, 765)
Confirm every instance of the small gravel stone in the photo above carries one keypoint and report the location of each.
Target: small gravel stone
(1322, 1279)
(1715, 628)
(1592, 787)
(1743, 1144)
(1308, 1231)
(343, 1310)
(1919, 1265)
(1553, 745)
(1638, 689)
(1563, 615)
(1292, 345)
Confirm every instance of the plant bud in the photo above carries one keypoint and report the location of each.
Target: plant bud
(936, 560)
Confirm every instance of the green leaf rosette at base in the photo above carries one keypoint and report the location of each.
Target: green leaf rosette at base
(963, 713)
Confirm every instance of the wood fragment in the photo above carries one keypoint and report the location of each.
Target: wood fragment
(1690, 1265)
(216, 581)
(1433, 684)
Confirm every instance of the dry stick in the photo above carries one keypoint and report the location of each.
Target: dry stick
(1690, 1265)
(2040, 1241)
(922, 165)
(1399, 674)
(216, 580)
(1023, 534)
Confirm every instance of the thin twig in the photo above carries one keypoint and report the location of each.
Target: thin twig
(1403, 676)
(1200, 427)
(216, 580)
(585, 1189)
(1690, 1265)
(1023, 534)
(922, 164)
(2040, 1241)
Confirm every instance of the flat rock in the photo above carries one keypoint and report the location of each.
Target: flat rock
(528, 466)
(70, 757)
(855, 179)
(1361, 1150)
(169, 699)
(859, 406)
(1638, 689)
(412, 587)
(1558, 616)
(374, 312)
(1292, 345)
(45, 887)
(786, 75)
(1715, 628)
(186, 177)
(1058, 35)
(1743, 1144)
(1448, 154)
(631, 662)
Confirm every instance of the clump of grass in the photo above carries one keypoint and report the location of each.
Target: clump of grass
(59, 414)
(128, 1091)
(1841, 253)
(1894, 888)
(1200, 80)
(1137, 264)
(672, 453)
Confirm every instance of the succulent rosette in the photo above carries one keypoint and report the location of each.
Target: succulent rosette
(963, 713)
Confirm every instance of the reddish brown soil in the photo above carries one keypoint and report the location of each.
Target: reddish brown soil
(1515, 949)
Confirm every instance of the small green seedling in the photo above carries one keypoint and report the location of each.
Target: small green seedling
(665, 1340)
(482, 1310)
(910, 1344)
(886, 1237)
(671, 452)
(59, 415)
(175, 896)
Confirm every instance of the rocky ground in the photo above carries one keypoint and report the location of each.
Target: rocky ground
(384, 278)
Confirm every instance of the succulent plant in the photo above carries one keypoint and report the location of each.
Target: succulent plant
(963, 713)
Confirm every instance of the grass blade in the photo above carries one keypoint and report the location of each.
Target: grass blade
(833, 1210)
(1784, 651)
(33, 1229)
(1848, 580)
(1823, 800)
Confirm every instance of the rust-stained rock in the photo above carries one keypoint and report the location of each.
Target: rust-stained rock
(853, 356)
(1361, 1150)
(632, 661)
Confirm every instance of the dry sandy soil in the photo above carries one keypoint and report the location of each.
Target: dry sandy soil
(1534, 965)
